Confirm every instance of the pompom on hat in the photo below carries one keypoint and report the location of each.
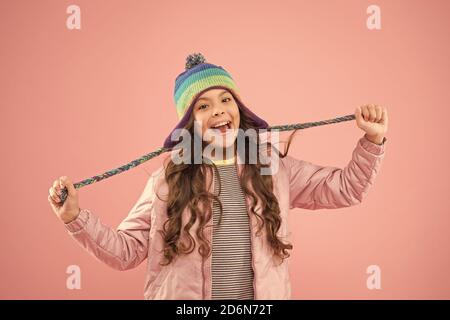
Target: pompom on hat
(198, 77)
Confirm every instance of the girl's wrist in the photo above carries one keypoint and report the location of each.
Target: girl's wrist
(377, 139)
(71, 217)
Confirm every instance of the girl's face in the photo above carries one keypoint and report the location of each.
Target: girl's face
(217, 114)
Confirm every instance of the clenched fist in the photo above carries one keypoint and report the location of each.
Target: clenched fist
(372, 119)
(68, 211)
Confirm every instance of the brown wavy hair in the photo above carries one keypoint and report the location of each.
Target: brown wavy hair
(186, 185)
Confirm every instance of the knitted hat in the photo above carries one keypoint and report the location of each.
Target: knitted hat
(198, 77)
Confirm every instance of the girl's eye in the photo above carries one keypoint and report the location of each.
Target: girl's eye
(205, 105)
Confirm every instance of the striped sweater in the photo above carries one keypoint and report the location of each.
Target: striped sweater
(232, 272)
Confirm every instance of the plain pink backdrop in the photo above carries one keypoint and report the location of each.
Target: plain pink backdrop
(81, 102)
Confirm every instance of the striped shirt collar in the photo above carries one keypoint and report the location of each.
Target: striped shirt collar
(222, 162)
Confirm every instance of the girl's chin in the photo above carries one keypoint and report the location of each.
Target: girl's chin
(221, 145)
(221, 140)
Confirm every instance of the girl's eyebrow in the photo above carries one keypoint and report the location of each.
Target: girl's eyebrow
(223, 92)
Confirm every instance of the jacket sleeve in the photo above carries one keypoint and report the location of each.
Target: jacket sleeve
(126, 246)
(325, 187)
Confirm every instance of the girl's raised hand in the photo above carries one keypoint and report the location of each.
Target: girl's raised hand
(69, 210)
(372, 119)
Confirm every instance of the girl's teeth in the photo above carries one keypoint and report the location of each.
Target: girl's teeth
(220, 125)
(223, 128)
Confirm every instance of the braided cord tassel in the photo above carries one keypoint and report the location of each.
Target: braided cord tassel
(113, 172)
(158, 151)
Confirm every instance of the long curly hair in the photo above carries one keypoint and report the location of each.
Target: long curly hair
(186, 185)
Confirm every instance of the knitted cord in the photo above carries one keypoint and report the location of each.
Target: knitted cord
(158, 151)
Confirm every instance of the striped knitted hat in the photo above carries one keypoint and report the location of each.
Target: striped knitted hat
(198, 77)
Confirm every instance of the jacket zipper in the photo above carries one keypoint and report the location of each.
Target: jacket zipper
(203, 270)
(253, 250)
(251, 246)
(211, 241)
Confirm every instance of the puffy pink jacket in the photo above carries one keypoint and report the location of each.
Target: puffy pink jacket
(297, 184)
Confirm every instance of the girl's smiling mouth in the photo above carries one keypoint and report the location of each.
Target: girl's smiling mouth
(221, 127)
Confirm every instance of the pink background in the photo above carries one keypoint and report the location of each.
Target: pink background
(81, 102)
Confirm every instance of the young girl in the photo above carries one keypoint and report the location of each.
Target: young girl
(217, 229)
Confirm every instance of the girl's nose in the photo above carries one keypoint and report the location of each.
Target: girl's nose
(217, 112)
